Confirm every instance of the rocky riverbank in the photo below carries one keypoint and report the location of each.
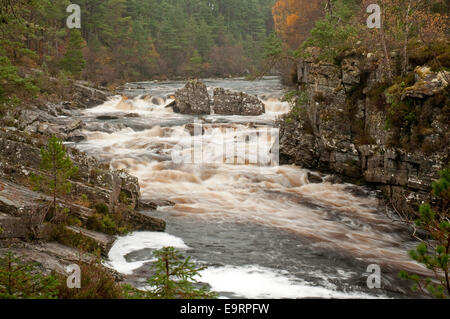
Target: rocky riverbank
(346, 126)
(96, 192)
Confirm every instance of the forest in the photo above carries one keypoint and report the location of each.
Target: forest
(124, 40)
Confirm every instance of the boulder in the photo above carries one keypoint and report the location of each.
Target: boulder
(314, 178)
(227, 102)
(193, 99)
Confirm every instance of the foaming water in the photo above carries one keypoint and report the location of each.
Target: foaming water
(139, 104)
(137, 241)
(258, 283)
(246, 191)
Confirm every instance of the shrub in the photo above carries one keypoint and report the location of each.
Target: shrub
(70, 238)
(96, 283)
(103, 221)
(102, 208)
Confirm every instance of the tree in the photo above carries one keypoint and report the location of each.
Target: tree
(434, 254)
(294, 19)
(405, 22)
(73, 60)
(195, 64)
(58, 169)
(22, 280)
(12, 84)
(175, 277)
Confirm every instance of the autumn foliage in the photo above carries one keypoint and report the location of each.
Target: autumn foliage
(295, 18)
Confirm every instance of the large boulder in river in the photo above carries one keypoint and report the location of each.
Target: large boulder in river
(193, 99)
(227, 102)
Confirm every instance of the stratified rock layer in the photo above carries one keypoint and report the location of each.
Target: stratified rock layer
(319, 134)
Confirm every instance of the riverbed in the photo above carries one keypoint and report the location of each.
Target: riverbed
(263, 230)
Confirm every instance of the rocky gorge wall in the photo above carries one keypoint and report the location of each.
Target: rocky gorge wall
(343, 127)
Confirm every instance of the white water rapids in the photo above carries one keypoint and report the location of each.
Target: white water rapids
(264, 231)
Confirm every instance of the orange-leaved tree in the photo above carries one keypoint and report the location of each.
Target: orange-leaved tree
(294, 19)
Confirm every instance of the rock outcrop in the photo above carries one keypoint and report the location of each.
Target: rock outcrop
(86, 96)
(22, 211)
(428, 83)
(342, 129)
(193, 99)
(227, 102)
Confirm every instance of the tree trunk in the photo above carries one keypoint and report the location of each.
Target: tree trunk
(386, 52)
(405, 41)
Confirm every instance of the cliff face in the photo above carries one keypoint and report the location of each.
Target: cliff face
(343, 128)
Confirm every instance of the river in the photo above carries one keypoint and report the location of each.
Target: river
(262, 230)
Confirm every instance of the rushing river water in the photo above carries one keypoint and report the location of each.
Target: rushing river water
(263, 231)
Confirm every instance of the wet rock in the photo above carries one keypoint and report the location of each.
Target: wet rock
(333, 179)
(314, 178)
(132, 115)
(154, 204)
(76, 136)
(142, 222)
(227, 102)
(193, 99)
(87, 96)
(155, 100)
(107, 117)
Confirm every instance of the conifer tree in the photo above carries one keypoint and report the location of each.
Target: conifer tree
(58, 169)
(73, 60)
(21, 280)
(434, 254)
(175, 277)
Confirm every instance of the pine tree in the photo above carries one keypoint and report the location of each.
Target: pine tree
(175, 277)
(58, 169)
(434, 254)
(73, 60)
(21, 280)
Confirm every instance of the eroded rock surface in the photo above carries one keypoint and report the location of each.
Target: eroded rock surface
(321, 134)
(227, 102)
(193, 99)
